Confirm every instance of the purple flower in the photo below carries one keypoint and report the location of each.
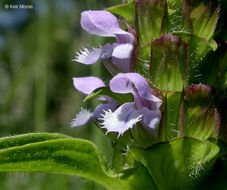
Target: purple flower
(103, 23)
(86, 85)
(144, 108)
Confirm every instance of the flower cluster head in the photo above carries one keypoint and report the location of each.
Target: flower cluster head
(112, 116)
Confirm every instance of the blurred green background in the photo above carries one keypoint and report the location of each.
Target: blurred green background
(36, 91)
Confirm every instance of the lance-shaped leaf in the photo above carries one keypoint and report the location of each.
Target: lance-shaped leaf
(151, 20)
(58, 153)
(178, 164)
(125, 10)
(168, 63)
(200, 118)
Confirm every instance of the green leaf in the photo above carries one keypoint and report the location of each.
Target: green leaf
(125, 10)
(19, 140)
(166, 62)
(57, 153)
(151, 20)
(201, 119)
(178, 164)
(120, 98)
(43, 154)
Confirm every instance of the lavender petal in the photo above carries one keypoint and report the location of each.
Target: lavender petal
(124, 37)
(137, 85)
(87, 84)
(122, 56)
(101, 23)
(151, 120)
(81, 118)
(88, 56)
(107, 50)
